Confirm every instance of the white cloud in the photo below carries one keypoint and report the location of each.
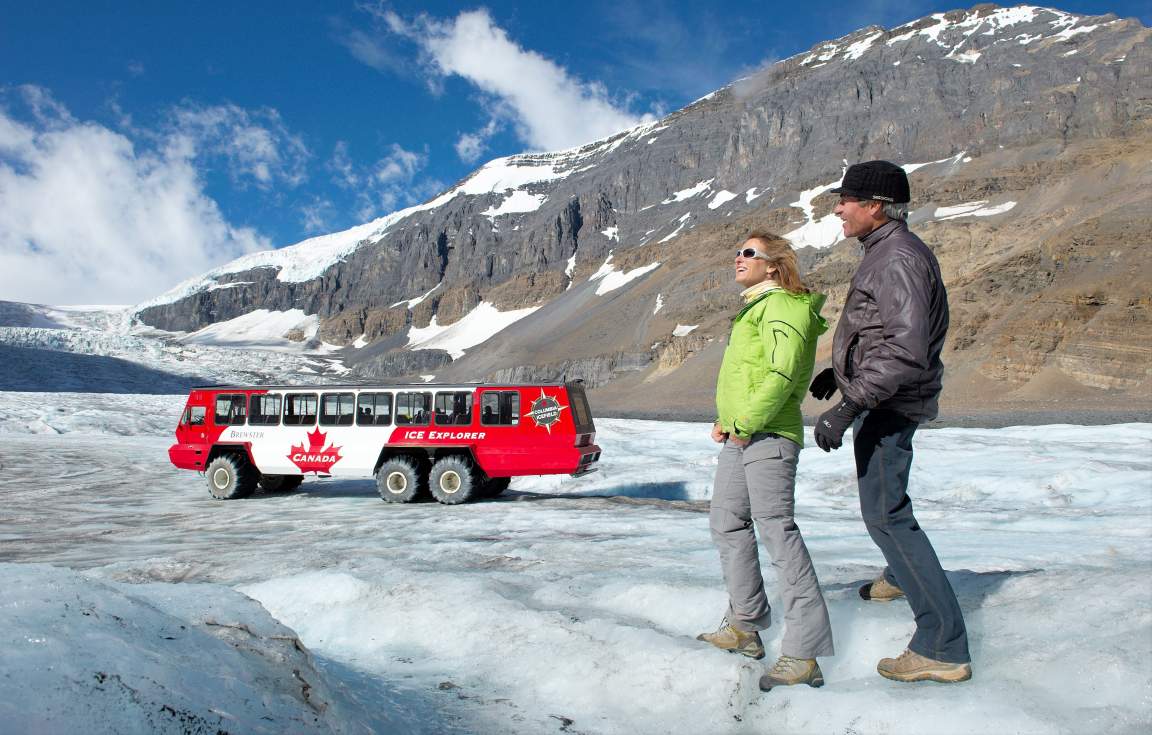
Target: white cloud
(547, 107)
(470, 146)
(255, 145)
(314, 216)
(343, 170)
(399, 165)
(88, 216)
(388, 184)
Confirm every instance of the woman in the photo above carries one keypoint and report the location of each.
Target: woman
(762, 380)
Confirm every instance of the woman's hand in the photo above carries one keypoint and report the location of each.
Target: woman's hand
(718, 434)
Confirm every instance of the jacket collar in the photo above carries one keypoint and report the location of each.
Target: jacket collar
(758, 289)
(882, 232)
(756, 300)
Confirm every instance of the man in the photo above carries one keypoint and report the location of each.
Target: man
(886, 364)
(766, 368)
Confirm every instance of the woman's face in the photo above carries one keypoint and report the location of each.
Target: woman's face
(750, 271)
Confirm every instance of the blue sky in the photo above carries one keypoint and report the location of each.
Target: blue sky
(144, 142)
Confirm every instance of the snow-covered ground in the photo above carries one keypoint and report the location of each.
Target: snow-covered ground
(567, 605)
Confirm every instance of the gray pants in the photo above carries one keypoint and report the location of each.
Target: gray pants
(758, 483)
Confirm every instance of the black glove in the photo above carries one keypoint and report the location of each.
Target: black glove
(823, 385)
(832, 424)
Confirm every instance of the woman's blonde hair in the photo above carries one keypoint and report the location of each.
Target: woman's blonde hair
(782, 257)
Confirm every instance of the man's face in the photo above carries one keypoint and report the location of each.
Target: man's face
(750, 271)
(860, 216)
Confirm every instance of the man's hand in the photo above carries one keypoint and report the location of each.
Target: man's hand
(832, 424)
(824, 385)
(718, 434)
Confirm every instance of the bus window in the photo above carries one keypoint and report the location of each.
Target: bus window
(413, 409)
(454, 408)
(337, 409)
(375, 409)
(264, 410)
(300, 409)
(500, 408)
(194, 416)
(231, 409)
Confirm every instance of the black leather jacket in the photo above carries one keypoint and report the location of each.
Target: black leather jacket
(886, 352)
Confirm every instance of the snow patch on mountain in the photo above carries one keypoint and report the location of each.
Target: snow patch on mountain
(412, 302)
(477, 326)
(972, 209)
(723, 196)
(690, 192)
(815, 233)
(517, 202)
(261, 329)
(683, 220)
(612, 279)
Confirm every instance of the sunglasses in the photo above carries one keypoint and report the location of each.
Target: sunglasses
(750, 253)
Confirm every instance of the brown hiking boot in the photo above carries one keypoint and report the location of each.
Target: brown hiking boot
(788, 671)
(879, 590)
(735, 640)
(910, 666)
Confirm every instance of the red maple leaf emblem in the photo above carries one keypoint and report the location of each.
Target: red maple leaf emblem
(315, 457)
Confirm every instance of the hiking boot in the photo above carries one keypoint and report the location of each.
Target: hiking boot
(735, 640)
(880, 590)
(788, 671)
(910, 666)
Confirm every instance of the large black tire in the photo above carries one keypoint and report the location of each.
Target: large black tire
(231, 477)
(495, 486)
(453, 480)
(280, 483)
(398, 480)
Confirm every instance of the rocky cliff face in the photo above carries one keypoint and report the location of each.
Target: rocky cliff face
(1028, 134)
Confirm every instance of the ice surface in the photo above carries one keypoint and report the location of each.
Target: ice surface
(579, 598)
(162, 351)
(107, 657)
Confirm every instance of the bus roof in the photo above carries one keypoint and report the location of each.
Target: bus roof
(385, 386)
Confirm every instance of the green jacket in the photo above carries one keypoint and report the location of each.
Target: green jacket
(768, 364)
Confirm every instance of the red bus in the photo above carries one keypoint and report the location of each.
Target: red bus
(458, 441)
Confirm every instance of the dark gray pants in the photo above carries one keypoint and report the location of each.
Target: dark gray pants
(758, 484)
(883, 446)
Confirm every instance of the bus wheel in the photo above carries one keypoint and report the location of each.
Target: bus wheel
(452, 480)
(230, 477)
(398, 480)
(280, 483)
(494, 486)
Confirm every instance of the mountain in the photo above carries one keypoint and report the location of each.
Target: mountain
(1027, 132)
